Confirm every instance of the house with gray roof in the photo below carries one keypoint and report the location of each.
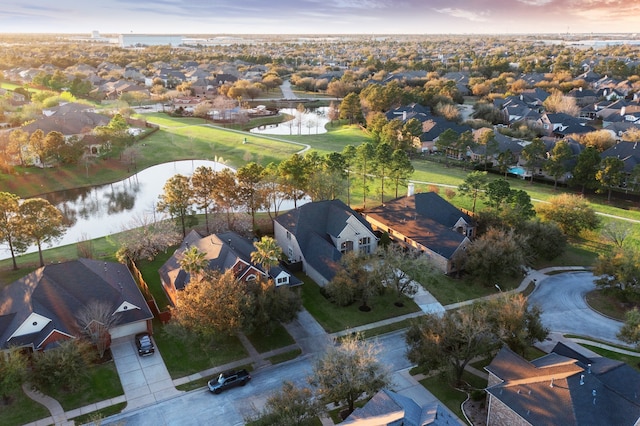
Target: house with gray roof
(628, 152)
(317, 234)
(388, 408)
(224, 251)
(41, 308)
(425, 223)
(563, 387)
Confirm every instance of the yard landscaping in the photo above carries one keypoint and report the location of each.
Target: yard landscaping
(334, 318)
(21, 410)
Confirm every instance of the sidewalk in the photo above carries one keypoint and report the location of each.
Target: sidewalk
(310, 337)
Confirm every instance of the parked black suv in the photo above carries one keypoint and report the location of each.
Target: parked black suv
(229, 380)
(144, 344)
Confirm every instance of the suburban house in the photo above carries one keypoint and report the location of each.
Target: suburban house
(628, 152)
(223, 251)
(42, 308)
(432, 125)
(426, 223)
(388, 408)
(317, 234)
(561, 125)
(563, 387)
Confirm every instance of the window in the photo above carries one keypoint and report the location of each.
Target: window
(346, 246)
(288, 235)
(364, 244)
(282, 280)
(290, 253)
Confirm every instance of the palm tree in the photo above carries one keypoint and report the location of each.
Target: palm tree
(193, 261)
(267, 253)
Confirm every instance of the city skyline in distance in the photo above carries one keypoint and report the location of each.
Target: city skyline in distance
(322, 16)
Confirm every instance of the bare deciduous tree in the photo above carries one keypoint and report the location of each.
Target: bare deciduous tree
(145, 238)
(96, 319)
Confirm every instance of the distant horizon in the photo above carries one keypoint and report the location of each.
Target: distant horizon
(322, 17)
(632, 35)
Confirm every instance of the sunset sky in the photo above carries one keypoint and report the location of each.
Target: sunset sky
(320, 16)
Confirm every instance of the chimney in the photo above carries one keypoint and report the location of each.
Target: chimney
(411, 189)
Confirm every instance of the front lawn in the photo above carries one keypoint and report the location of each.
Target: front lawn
(184, 358)
(335, 318)
(449, 290)
(453, 398)
(263, 342)
(22, 410)
(102, 382)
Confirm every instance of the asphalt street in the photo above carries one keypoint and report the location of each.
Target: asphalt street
(232, 407)
(564, 309)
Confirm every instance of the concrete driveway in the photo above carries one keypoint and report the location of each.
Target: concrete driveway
(145, 380)
(562, 299)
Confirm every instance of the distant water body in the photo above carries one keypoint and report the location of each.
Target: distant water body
(595, 43)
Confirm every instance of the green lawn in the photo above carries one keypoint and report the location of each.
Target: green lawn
(22, 410)
(439, 386)
(632, 361)
(149, 270)
(102, 382)
(279, 338)
(186, 138)
(277, 359)
(334, 318)
(95, 416)
(183, 358)
(448, 290)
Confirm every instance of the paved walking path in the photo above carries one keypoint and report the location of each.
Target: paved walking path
(58, 417)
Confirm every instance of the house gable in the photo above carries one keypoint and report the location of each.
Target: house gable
(125, 306)
(316, 234)
(33, 324)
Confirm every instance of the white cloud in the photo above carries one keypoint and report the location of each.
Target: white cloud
(464, 14)
(535, 2)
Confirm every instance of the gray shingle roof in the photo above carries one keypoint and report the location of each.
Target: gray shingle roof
(312, 224)
(567, 388)
(628, 152)
(60, 291)
(222, 252)
(425, 218)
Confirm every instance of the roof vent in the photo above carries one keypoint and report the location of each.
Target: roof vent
(589, 368)
(581, 379)
(551, 385)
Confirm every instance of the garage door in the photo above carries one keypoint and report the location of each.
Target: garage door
(128, 329)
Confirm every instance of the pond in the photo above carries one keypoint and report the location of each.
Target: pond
(98, 211)
(310, 122)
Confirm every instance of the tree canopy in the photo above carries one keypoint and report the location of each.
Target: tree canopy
(348, 370)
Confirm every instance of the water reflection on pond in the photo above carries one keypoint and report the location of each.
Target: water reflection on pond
(310, 122)
(103, 210)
